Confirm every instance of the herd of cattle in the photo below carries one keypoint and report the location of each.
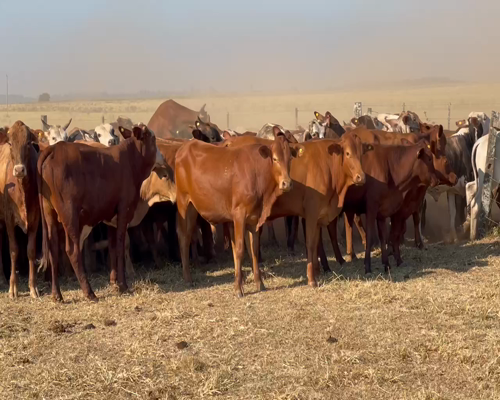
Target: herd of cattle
(71, 181)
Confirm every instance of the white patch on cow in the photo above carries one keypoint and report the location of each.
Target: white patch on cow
(84, 234)
(474, 190)
(104, 135)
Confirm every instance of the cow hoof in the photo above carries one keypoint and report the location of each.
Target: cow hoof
(351, 257)
(399, 262)
(261, 287)
(34, 293)
(13, 295)
(92, 297)
(313, 284)
(57, 298)
(327, 271)
(239, 294)
(387, 268)
(122, 289)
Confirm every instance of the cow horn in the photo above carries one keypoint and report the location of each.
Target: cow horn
(45, 125)
(67, 125)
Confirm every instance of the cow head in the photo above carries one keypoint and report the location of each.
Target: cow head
(206, 132)
(316, 130)
(409, 122)
(56, 133)
(105, 134)
(280, 154)
(145, 141)
(319, 117)
(349, 149)
(423, 168)
(461, 123)
(20, 139)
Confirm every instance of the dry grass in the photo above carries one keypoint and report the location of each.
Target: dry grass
(429, 331)
(253, 111)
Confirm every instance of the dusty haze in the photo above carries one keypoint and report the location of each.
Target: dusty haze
(224, 46)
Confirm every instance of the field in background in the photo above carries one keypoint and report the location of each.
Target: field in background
(429, 331)
(252, 111)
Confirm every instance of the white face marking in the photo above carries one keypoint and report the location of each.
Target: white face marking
(56, 134)
(104, 135)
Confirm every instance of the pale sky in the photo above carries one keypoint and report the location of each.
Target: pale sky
(117, 46)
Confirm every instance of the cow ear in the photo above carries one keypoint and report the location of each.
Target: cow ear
(265, 152)
(138, 132)
(277, 131)
(405, 142)
(126, 133)
(406, 119)
(199, 135)
(226, 135)
(420, 153)
(297, 151)
(197, 124)
(367, 147)
(335, 148)
(432, 146)
(307, 137)
(4, 137)
(441, 132)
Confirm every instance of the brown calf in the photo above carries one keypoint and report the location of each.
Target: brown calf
(225, 184)
(81, 185)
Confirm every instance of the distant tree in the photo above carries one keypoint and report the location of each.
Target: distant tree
(43, 98)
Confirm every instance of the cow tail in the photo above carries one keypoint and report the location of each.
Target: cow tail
(44, 262)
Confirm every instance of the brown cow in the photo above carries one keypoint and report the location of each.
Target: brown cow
(321, 178)
(18, 189)
(172, 119)
(226, 184)
(390, 172)
(81, 185)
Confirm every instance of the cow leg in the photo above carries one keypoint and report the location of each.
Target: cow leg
(370, 231)
(112, 255)
(227, 235)
(255, 244)
(361, 229)
(271, 234)
(237, 242)
(291, 226)
(304, 232)
(397, 233)
(312, 237)
(53, 244)
(149, 234)
(3, 278)
(172, 238)
(185, 229)
(14, 252)
(382, 234)
(418, 234)
(452, 211)
(207, 239)
(129, 267)
(75, 257)
(332, 232)
(322, 254)
(348, 219)
(32, 229)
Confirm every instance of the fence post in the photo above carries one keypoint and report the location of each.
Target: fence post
(449, 115)
(102, 119)
(44, 119)
(404, 107)
(358, 109)
(296, 118)
(227, 120)
(487, 181)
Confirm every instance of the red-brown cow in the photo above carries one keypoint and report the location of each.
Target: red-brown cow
(81, 185)
(390, 172)
(18, 193)
(224, 184)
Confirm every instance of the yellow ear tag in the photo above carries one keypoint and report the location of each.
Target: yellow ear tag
(428, 146)
(197, 123)
(301, 150)
(317, 115)
(40, 134)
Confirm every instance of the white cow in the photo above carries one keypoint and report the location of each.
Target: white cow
(474, 189)
(106, 135)
(55, 133)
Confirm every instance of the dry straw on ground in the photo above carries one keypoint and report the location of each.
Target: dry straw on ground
(428, 331)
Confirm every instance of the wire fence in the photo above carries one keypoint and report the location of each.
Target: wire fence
(252, 117)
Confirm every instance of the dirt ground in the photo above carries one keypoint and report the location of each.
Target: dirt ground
(429, 330)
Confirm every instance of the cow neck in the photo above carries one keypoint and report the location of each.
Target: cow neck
(339, 178)
(25, 192)
(138, 162)
(270, 192)
(401, 170)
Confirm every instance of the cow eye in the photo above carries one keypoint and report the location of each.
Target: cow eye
(53, 138)
(98, 135)
(275, 159)
(348, 154)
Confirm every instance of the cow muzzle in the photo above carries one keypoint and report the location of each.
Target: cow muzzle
(19, 171)
(286, 185)
(359, 179)
(113, 141)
